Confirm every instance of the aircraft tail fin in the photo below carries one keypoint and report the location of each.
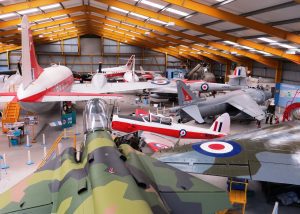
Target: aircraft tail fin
(239, 77)
(221, 124)
(30, 67)
(184, 93)
(142, 70)
(130, 62)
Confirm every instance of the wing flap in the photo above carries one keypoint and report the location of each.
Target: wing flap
(194, 112)
(275, 172)
(247, 105)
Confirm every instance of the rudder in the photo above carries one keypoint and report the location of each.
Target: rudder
(221, 124)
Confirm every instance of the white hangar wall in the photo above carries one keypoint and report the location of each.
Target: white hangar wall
(84, 55)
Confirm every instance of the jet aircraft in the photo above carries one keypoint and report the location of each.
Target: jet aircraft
(240, 104)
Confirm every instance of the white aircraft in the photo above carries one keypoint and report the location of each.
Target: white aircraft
(120, 70)
(42, 87)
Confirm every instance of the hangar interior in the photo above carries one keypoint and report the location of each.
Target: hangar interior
(168, 40)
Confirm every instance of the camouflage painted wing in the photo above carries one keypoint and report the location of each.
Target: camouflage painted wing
(110, 181)
(270, 154)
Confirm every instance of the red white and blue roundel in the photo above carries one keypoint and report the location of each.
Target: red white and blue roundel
(218, 148)
(160, 82)
(182, 132)
(204, 87)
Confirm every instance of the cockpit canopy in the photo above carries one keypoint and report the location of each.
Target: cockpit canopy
(95, 116)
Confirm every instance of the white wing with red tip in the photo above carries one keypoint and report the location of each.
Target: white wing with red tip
(72, 96)
(6, 97)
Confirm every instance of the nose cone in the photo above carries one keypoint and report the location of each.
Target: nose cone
(95, 116)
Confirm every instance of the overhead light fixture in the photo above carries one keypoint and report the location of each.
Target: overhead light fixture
(41, 36)
(7, 15)
(119, 9)
(267, 40)
(223, 2)
(286, 46)
(178, 12)
(51, 39)
(125, 41)
(28, 11)
(147, 33)
(51, 6)
(158, 21)
(170, 24)
(139, 15)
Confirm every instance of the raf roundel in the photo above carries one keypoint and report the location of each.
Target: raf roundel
(160, 82)
(218, 148)
(182, 132)
(204, 87)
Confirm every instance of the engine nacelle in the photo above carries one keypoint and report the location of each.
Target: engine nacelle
(99, 80)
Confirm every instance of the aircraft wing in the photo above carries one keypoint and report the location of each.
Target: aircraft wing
(270, 154)
(72, 96)
(118, 87)
(246, 104)
(6, 97)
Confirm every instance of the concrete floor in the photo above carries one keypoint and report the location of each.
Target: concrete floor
(17, 157)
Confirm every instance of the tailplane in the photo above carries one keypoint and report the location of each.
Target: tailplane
(184, 93)
(30, 67)
(221, 124)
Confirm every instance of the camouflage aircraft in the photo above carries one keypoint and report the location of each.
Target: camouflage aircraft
(101, 178)
(269, 154)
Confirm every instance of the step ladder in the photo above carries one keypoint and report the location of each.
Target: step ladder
(10, 114)
(238, 193)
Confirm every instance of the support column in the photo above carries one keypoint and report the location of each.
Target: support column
(166, 62)
(8, 59)
(79, 45)
(278, 74)
(118, 53)
(227, 73)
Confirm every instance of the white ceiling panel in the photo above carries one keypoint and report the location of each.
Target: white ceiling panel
(224, 26)
(210, 38)
(279, 15)
(244, 6)
(201, 19)
(192, 32)
(244, 33)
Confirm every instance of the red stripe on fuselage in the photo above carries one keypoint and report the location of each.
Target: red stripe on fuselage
(115, 74)
(63, 86)
(127, 127)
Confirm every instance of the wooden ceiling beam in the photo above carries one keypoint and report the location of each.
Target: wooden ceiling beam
(240, 20)
(27, 5)
(267, 61)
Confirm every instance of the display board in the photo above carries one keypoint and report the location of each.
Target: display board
(286, 93)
